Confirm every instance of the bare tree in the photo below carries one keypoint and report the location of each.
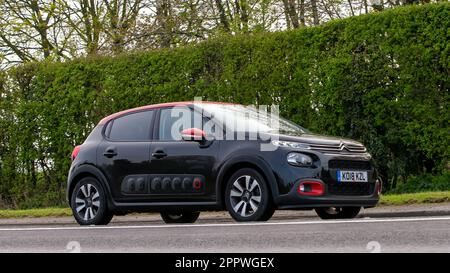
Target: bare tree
(33, 30)
(121, 16)
(86, 18)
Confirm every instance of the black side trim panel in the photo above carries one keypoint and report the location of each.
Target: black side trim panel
(156, 184)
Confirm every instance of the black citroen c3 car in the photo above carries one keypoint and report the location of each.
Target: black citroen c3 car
(185, 157)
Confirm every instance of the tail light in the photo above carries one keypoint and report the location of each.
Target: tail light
(75, 152)
(311, 188)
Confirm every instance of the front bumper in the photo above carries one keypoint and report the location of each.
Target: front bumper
(294, 200)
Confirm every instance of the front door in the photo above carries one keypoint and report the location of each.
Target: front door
(181, 170)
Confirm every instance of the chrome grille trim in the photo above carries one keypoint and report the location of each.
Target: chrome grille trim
(338, 148)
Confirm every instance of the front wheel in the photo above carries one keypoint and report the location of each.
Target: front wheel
(89, 203)
(181, 217)
(338, 212)
(247, 196)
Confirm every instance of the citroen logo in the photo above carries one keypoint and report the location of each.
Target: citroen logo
(342, 146)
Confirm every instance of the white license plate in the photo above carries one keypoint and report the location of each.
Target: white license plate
(351, 176)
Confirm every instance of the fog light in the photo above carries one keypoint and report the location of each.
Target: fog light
(311, 188)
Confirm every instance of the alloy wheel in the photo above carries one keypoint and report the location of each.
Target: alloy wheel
(245, 195)
(87, 202)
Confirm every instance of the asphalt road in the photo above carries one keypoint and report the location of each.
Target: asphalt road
(307, 234)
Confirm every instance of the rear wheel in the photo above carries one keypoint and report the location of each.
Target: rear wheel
(338, 212)
(247, 196)
(88, 203)
(181, 217)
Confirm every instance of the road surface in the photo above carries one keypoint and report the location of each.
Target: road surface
(285, 233)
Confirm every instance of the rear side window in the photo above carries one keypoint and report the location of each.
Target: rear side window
(132, 127)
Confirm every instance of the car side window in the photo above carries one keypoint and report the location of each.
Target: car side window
(173, 120)
(132, 127)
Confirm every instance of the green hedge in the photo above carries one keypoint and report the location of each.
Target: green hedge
(381, 78)
(423, 182)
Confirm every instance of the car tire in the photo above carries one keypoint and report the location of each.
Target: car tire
(247, 196)
(89, 203)
(181, 217)
(338, 212)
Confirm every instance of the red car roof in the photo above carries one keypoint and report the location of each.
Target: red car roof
(155, 106)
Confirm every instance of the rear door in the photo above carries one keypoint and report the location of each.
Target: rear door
(124, 155)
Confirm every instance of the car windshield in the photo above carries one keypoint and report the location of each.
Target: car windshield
(242, 118)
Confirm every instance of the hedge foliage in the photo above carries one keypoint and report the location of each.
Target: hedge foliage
(381, 78)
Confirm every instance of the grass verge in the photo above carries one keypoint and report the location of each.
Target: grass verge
(415, 198)
(386, 200)
(41, 212)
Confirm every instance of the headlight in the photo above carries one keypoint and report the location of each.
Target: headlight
(300, 160)
(290, 144)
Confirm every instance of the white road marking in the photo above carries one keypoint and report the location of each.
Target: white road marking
(321, 222)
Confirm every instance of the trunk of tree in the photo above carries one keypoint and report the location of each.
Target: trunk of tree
(315, 12)
(162, 15)
(96, 29)
(291, 11)
(286, 15)
(41, 27)
(122, 18)
(114, 27)
(244, 15)
(91, 26)
(222, 15)
(302, 12)
(351, 7)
